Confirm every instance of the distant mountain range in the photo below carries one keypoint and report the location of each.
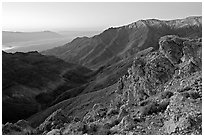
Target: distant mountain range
(39, 41)
(9, 36)
(122, 42)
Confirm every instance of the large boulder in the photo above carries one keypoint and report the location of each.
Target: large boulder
(184, 52)
(171, 46)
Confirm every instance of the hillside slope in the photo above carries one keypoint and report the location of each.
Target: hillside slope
(28, 79)
(122, 42)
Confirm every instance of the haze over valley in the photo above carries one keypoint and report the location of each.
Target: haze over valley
(39, 41)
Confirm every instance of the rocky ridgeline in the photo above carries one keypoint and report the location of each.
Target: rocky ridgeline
(162, 94)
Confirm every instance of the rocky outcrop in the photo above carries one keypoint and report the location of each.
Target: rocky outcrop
(55, 121)
(183, 116)
(21, 127)
(184, 53)
(161, 94)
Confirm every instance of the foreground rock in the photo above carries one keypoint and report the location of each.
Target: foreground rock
(22, 127)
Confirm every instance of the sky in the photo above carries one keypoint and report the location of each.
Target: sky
(64, 16)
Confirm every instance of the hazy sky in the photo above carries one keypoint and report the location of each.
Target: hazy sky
(39, 16)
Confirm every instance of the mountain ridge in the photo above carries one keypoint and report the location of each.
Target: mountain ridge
(121, 42)
(11, 36)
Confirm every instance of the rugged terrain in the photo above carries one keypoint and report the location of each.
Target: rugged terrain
(115, 44)
(156, 89)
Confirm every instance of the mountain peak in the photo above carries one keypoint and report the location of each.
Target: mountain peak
(125, 41)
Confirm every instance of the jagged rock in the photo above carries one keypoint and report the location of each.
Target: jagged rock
(148, 74)
(193, 50)
(171, 46)
(77, 128)
(22, 123)
(22, 127)
(126, 124)
(183, 116)
(11, 129)
(154, 107)
(157, 71)
(55, 120)
(98, 111)
(184, 50)
(187, 68)
(54, 132)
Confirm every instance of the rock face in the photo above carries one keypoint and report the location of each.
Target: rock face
(179, 50)
(158, 71)
(172, 46)
(182, 52)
